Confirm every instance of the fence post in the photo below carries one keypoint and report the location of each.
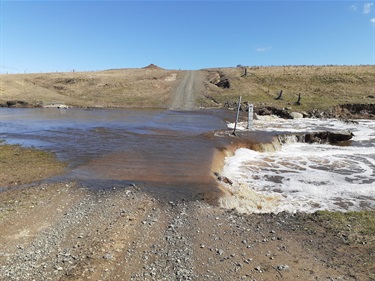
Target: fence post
(238, 113)
(250, 117)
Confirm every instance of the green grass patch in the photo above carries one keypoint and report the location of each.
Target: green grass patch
(355, 227)
(363, 221)
(19, 165)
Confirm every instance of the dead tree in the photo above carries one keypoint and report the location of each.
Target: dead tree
(298, 102)
(279, 97)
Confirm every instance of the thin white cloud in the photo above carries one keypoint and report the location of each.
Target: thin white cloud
(372, 20)
(354, 7)
(263, 49)
(367, 8)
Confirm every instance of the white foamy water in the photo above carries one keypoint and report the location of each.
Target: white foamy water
(305, 177)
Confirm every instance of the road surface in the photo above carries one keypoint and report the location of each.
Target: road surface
(186, 93)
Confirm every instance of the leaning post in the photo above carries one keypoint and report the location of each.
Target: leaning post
(238, 113)
(250, 117)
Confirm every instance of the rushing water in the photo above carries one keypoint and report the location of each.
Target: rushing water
(116, 147)
(307, 177)
(106, 148)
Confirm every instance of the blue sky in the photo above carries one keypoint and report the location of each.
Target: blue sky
(49, 36)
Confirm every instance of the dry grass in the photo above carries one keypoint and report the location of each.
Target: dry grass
(146, 87)
(320, 86)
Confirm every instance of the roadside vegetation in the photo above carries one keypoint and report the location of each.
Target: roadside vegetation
(122, 88)
(20, 165)
(355, 227)
(354, 231)
(320, 87)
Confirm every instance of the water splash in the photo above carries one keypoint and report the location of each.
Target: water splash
(305, 177)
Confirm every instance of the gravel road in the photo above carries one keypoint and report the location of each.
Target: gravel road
(65, 232)
(186, 93)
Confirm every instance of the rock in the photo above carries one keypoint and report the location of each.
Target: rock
(219, 79)
(108, 256)
(327, 137)
(223, 83)
(283, 267)
(296, 115)
(345, 111)
(259, 269)
(17, 103)
(228, 181)
(269, 110)
(56, 105)
(220, 252)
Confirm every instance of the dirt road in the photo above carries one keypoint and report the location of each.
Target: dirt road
(64, 232)
(186, 93)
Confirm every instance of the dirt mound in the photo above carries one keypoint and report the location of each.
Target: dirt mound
(347, 111)
(152, 66)
(219, 79)
(343, 111)
(15, 103)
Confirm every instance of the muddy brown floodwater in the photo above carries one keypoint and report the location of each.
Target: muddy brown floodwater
(170, 150)
(126, 208)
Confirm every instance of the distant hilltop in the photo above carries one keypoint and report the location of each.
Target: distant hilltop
(153, 66)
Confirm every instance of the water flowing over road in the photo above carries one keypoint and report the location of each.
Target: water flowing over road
(104, 148)
(130, 209)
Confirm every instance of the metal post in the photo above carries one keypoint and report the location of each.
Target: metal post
(250, 117)
(238, 113)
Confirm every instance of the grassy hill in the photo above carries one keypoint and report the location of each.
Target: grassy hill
(146, 87)
(320, 87)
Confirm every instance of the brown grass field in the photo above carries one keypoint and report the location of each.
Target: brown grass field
(147, 87)
(320, 87)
